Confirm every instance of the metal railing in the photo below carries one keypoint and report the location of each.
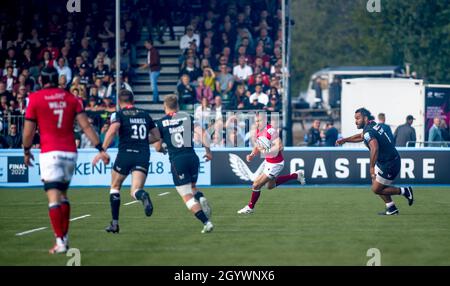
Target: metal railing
(428, 144)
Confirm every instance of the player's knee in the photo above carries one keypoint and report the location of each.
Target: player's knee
(376, 190)
(184, 190)
(191, 203)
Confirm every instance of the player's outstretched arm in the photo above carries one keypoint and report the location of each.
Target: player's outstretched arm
(93, 137)
(255, 152)
(357, 138)
(29, 130)
(205, 141)
(373, 146)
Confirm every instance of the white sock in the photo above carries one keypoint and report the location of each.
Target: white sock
(59, 241)
(388, 205)
(402, 191)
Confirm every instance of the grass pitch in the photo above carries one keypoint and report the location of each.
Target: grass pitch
(291, 226)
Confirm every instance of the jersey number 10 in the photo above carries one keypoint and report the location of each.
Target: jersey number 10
(139, 132)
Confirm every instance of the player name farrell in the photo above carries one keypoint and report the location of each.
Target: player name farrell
(138, 121)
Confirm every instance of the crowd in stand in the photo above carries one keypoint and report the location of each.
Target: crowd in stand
(231, 53)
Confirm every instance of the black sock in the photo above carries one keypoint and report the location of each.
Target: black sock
(139, 195)
(201, 216)
(114, 200)
(198, 195)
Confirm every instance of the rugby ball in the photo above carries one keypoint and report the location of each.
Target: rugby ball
(264, 143)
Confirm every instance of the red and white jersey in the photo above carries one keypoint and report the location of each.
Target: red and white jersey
(54, 110)
(271, 133)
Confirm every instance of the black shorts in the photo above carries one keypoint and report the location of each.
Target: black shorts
(128, 162)
(386, 172)
(185, 169)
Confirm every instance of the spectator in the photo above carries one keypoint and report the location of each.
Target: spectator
(239, 100)
(435, 134)
(255, 104)
(186, 92)
(14, 139)
(189, 38)
(203, 91)
(63, 69)
(274, 104)
(101, 89)
(218, 107)
(224, 82)
(154, 63)
(317, 86)
(209, 78)
(386, 128)
(3, 142)
(101, 71)
(9, 79)
(191, 70)
(85, 79)
(335, 93)
(202, 112)
(111, 91)
(242, 71)
(103, 131)
(314, 134)
(331, 134)
(260, 96)
(4, 91)
(405, 133)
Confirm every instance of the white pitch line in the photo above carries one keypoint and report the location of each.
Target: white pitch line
(130, 203)
(31, 231)
(163, 194)
(80, 217)
(42, 228)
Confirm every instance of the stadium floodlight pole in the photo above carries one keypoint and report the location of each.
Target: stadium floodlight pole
(287, 128)
(289, 137)
(117, 53)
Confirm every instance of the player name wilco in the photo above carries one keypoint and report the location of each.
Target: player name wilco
(232, 275)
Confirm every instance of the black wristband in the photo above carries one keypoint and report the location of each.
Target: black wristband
(99, 147)
(26, 149)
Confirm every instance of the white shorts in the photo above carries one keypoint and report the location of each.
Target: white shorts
(272, 170)
(57, 166)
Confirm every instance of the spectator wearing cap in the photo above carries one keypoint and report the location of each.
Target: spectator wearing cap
(274, 104)
(386, 128)
(188, 38)
(84, 75)
(405, 133)
(154, 65)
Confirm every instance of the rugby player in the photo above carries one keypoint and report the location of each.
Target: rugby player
(54, 111)
(272, 151)
(136, 131)
(384, 160)
(177, 130)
